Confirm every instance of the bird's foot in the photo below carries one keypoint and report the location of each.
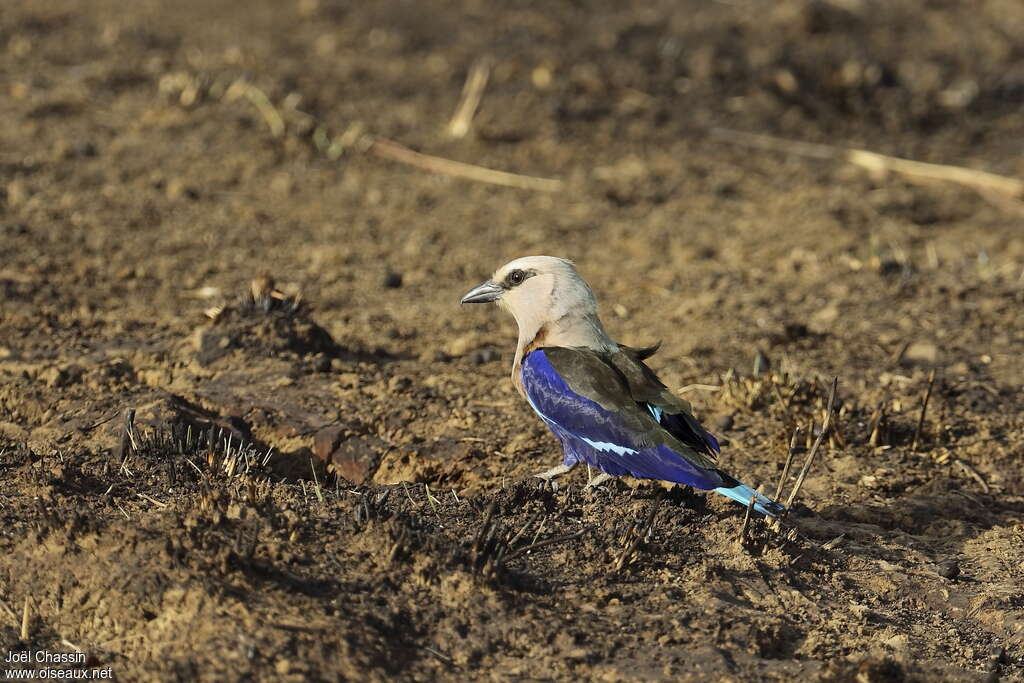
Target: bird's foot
(549, 476)
(597, 480)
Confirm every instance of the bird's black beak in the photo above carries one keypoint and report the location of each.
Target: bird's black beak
(483, 293)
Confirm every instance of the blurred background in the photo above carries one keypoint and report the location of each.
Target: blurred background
(170, 169)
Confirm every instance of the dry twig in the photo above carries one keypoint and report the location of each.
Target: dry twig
(982, 182)
(924, 408)
(26, 616)
(817, 444)
(152, 500)
(876, 424)
(966, 467)
(529, 523)
(643, 533)
(789, 462)
(746, 518)
(9, 611)
(472, 91)
(547, 541)
(440, 655)
(128, 441)
(266, 108)
(699, 387)
(387, 149)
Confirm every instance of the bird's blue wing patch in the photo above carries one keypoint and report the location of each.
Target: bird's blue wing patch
(600, 437)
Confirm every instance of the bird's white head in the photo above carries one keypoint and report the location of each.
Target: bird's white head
(552, 304)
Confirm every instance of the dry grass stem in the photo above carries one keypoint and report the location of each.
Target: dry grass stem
(154, 501)
(834, 542)
(699, 387)
(128, 440)
(316, 482)
(431, 499)
(876, 423)
(411, 501)
(443, 657)
(982, 182)
(791, 451)
(9, 611)
(26, 617)
(386, 149)
(746, 518)
(266, 108)
(530, 522)
(472, 91)
(924, 409)
(966, 467)
(643, 533)
(546, 542)
(817, 444)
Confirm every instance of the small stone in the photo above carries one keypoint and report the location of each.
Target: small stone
(434, 356)
(868, 481)
(176, 188)
(349, 380)
(725, 423)
(356, 459)
(950, 569)
(484, 356)
(210, 345)
(726, 190)
(460, 346)
(794, 331)
(398, 384)
(325, 441)
(16, 193)
(54, 377)
(922, 352)
(889, 267)
(281, 184)
(899, 642)
(392, 280)
(541, 77)
(826, 315)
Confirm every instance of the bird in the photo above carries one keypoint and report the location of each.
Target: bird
(603, 403)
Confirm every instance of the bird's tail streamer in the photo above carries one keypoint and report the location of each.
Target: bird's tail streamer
(763, 504)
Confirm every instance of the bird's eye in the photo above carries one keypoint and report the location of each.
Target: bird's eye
(516, 277)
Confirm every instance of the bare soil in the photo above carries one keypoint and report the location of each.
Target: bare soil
(193, 225)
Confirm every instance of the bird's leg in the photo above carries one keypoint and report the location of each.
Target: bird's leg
(598, 480)
(549, 475)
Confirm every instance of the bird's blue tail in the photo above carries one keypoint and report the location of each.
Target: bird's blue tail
(763, 504)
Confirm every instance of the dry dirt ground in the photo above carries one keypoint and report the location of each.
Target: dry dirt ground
(195, 223)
